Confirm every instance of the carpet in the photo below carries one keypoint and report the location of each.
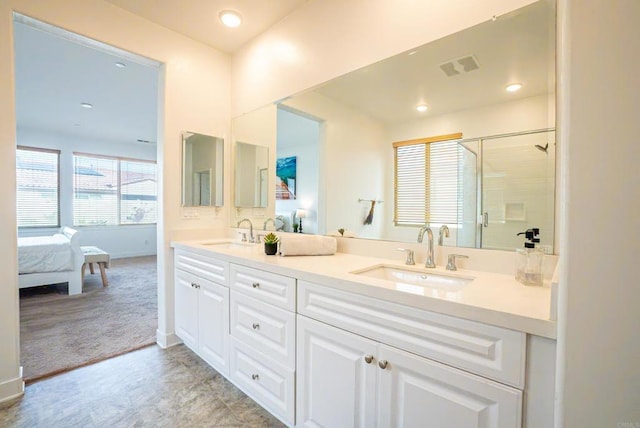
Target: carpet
(59, 332)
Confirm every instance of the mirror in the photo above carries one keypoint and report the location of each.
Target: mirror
(252, 175)
(202, 170)
(505, 182)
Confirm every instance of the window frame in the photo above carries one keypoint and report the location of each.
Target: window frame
(427, 179)
(118, 159)
(58, 215)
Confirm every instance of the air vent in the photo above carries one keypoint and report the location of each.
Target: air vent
(460, 65)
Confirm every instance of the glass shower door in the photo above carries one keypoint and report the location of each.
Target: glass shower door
(517, 190)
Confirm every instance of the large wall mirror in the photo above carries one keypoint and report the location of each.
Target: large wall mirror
(496, 179)
(202, 170)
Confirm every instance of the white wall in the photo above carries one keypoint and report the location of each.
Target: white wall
(194, 95)
(299, 136)
(353, 150)
(118, 241)
(599, 309)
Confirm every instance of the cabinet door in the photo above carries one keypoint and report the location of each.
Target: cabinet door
(213, 325)
(418, 392)
(336, 387)
(186, 308)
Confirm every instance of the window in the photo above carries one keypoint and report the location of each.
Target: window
(113, 191)
(37, 179)
(427, 184)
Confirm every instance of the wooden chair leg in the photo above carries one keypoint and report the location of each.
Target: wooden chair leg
(84, 266)
(103, 273)
(91, 268)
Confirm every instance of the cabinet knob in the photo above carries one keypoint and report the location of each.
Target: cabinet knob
(368, 359)
(255, 376)
(194, 285)
(256, 326)
(255, 285)
(383, 364)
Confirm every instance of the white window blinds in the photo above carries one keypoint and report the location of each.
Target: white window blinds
(112, 191)
(427, 183)
(37, 179)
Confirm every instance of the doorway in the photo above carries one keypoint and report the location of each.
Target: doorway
(96, 106)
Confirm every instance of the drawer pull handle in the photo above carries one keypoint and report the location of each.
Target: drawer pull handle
(194, 285)
(383, 364)
(255, 376)
(368, 359)
(255, 285)
(256, 326)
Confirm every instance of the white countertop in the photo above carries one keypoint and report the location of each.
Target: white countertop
(491, 298)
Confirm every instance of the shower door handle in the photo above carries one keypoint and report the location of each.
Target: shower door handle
(485, 219)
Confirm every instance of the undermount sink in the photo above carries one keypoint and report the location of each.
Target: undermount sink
(228, 244)
(407, 278)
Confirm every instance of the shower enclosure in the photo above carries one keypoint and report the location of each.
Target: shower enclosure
(506, 185)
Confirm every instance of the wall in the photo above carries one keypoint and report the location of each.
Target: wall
(118, 241)
(194, 95)
(299, 136)
(352, 154)
(598, 379)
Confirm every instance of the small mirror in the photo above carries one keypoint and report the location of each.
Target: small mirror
(252, 175)
(202, 170)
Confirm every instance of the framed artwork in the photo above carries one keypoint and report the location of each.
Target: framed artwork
(286, 178)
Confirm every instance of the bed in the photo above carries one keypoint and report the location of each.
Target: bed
(44, 260)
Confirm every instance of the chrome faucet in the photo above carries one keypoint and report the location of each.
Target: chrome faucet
(264, 226)
(251, 238)
(444, 230)
(429, 263)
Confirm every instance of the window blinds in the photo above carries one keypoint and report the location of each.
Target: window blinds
(37, 193)
(427, 184)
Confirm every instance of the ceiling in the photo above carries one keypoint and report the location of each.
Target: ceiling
(55, 75)
(198, 19)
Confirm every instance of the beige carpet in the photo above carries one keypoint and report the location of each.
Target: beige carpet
(60, 332)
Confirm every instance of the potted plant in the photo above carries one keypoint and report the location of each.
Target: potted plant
(270, 244)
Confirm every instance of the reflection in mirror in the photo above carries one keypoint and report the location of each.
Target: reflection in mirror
(462, 80)
(252, 175)
(202, 170)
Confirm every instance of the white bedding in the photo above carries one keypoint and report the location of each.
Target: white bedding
(45, 254)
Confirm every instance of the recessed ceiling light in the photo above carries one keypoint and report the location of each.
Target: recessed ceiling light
(422, 108)
(86, 105)
(230, 18)
(513, 87)
(121, 64)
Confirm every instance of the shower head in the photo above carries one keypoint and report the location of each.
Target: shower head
(542, 149)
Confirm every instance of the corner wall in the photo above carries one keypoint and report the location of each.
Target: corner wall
(194, 95)
(598, 382)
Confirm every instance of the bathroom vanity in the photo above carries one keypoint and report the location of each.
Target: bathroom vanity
(350, 340)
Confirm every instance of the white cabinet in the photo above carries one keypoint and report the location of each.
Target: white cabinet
(346, 380)
(335, 385)
(202, 310)
(263, 338)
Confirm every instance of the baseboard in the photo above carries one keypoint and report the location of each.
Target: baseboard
(133, 254)
(167, 340)
(11, 389)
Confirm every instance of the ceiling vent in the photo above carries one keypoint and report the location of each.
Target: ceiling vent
(460, 65)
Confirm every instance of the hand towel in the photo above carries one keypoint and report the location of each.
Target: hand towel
(307, 245)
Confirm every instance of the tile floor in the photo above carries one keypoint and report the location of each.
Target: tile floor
(151, 387)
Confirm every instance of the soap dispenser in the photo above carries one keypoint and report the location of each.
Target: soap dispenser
(529, 259)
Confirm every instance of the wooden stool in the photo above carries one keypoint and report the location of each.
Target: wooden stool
(96, 255)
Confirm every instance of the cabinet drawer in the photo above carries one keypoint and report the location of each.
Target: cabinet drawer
(264, 380)
(493, 352)
(265, 286)
(203, 266)
(264, 327)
